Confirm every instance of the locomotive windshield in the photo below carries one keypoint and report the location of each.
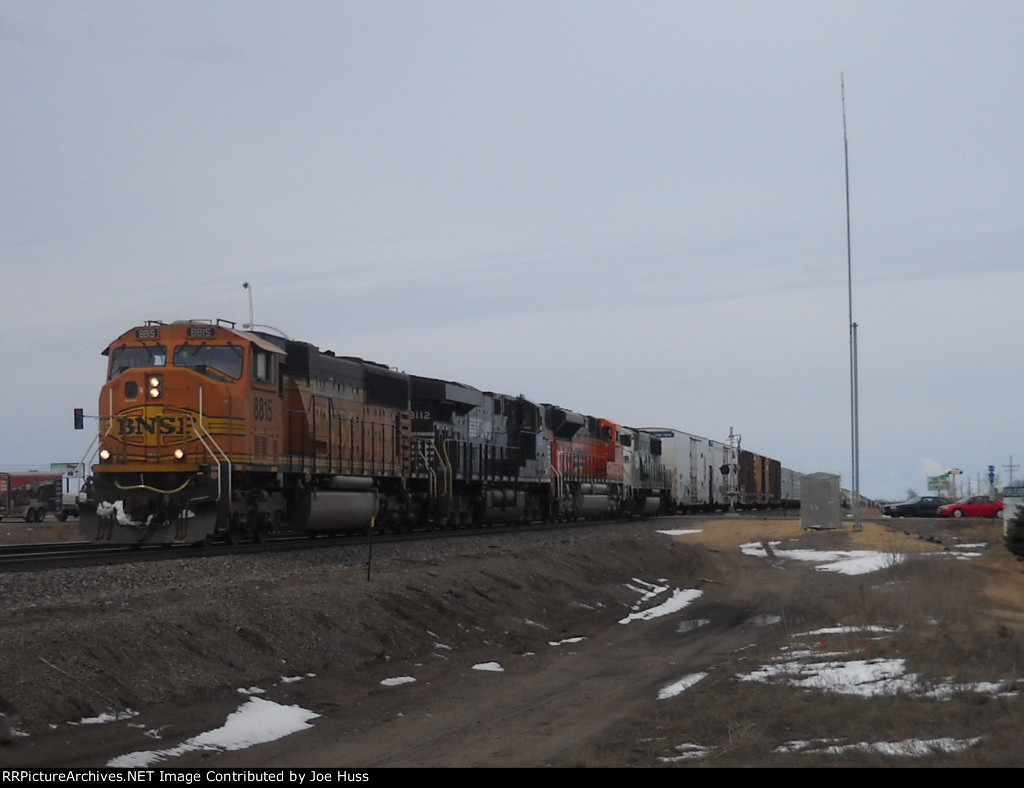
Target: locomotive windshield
(125, 358)
(216, 361)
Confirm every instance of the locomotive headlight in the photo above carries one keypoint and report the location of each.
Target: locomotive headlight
(179, 454)
(104, 454)
(155, 384)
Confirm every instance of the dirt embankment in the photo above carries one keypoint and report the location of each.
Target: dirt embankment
(173, 642)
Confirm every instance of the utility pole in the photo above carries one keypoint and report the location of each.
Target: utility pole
(1010, 469)
(854, 406)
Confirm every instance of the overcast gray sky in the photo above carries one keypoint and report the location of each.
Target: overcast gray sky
(633, 209)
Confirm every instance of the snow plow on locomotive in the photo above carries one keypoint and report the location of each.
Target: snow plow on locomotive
(207, 431)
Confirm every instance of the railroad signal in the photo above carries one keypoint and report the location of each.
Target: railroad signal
(79, 419)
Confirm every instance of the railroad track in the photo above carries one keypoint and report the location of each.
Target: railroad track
(51, 555)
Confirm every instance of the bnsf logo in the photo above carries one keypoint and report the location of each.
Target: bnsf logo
(157, 425)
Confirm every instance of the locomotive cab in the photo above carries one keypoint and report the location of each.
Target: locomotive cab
(187, 411)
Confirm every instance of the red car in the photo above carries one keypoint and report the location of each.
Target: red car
(974, 506)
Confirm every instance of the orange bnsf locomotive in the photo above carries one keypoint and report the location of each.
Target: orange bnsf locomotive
(207, 431)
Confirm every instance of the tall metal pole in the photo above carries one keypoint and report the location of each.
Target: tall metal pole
(854, 407)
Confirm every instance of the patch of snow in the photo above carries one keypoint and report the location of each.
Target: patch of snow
(678, 687)
(949, 689)
(862, 562)
(908, 747)
(680, 599)
(867, 678)
(687, 752)
(257, 721)
(493, 667)
(115, 716)
(847, 562)
(565, 641)
(398, 681)
(846, 630)
(681, 532)
(646, 590)
(293, 679)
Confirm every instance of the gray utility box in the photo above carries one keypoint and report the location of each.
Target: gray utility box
(820, 501)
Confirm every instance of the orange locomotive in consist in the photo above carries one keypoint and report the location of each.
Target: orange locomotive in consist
(586, 459)
(210, 431)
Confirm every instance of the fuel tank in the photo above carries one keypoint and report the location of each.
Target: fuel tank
(344, 503)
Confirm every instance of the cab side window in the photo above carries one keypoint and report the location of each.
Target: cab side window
(264, 367)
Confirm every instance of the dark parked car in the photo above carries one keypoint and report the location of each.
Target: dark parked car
(974, 506)
(918, 506)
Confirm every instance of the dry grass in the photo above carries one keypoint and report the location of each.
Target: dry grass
(955, 622)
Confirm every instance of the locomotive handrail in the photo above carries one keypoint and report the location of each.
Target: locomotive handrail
(224, 454)
(110, 411)
(559, 481)
(144, 486)
(108, 419)
(203, 440)
(446, 463)
(90, 452)
(430, 471)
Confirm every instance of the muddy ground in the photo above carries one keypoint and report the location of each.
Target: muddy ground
(173, 643)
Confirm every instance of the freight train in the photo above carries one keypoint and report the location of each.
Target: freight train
(210, 432)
